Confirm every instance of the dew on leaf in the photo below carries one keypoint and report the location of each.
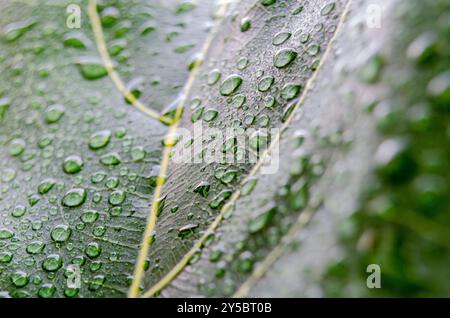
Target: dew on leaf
(284, 57)
(17, 147)
(46, 185)
(230, 85)
(47, 291)
(52, 263)
(328, 8)
(371, 72)
(54, 113)
(60, 233)
(74, 197)
(20, 279)
(265, 83)
(110, 159)
(97, 282)
(4, 106)
(100, 139)
(18, 211)
(91, 68)
(197, 114)
(117, 197)
(93, 250)
(313, 49)
(290, 91)
(109, 16)
(220, 199)
(35, 247)
(281, 37)
(210, 115)
(246, 24)
(213, 77)
(184, 7)
(202, 188)
(6, 257)
(260, 222)
(73, 164)
(6, 234)
(15, 30)
(76, 39)
(267, 2)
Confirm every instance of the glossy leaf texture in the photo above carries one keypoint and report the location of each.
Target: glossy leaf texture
(79, 163)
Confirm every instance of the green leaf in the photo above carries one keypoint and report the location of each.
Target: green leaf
(356, 172)
(77, 160)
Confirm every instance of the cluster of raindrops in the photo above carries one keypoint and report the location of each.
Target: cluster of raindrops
(254, 92)
(72, 178)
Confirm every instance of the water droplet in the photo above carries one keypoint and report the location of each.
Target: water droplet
(91, 68)
(60, 233)
(45, 186)
(52, 263)
(74, 197)
(210, 115)
(71, 292)
(76, 39)
(47, 291)
(5, 257)
(242, 63)
(328, 8)
(230, 85)
(100, 139)
(187, 230)
(110, 159)
(109, 16)
(290, 91)
(371, 72)
(35, 247)
(137, 154)
(313, 49)
(213, 77)
(197, 114)
(97, 282)
(284, 57)
(20, 279)
(261, 221)
(304, 38)
(280, 38)
(54, 113)
(439, 90)
(220, 199)
(15, 30)
(246, 24)
(6, 234)
(184, 7)
(93, 250)
(17, 147)
(117, 197)
(265, 83)
(229, 176)
(4, 106)
(202, 188)
(73, 164)
(89, 216)
(267, 2)
(18, 211)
